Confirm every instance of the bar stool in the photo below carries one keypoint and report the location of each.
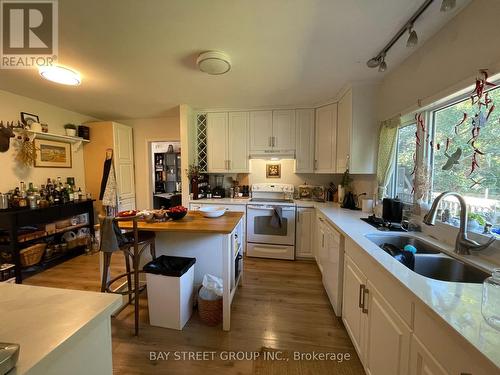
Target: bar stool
(134, 242)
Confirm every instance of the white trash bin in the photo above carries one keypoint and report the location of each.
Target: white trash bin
(170, 291)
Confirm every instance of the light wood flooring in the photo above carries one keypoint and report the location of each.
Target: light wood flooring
(282, 305)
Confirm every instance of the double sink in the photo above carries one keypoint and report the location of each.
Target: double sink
(431, 261)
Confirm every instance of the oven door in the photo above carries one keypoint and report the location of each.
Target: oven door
(260, 230)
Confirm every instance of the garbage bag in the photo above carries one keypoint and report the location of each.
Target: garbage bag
(211, 289)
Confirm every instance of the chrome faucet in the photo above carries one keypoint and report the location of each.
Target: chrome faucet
(463, 245)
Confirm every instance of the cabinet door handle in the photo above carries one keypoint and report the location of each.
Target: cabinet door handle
(228, 164)
(274, 141)
(361, 301)
(365, 293)
(323, 240)
(270, 142)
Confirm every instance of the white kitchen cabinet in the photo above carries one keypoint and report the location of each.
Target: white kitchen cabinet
(421, 360)
(305, 231)
(387, 336)
(304, 141)
(357, 130)
(227, 142)
(261, 130)
(352, 306)
(321, 253)
(333, 266)
(217, 142)
(284, 130)
(326, 139)
(238, 142)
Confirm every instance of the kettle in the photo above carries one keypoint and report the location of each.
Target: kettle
(349, 201)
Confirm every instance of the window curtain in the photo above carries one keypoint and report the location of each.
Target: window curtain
(386, 153)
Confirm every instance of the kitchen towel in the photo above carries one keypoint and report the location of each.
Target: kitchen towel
(111, 235)
(277, 217)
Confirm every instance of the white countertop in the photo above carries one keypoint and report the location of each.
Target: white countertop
(43, 319)
(458, 304)
(245, 200)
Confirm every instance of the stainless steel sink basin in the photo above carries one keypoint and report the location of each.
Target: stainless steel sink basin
(431, 262)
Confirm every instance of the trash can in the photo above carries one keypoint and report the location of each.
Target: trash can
(170, 291)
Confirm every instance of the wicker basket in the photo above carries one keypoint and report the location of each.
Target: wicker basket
(32, 255)
(210, 311)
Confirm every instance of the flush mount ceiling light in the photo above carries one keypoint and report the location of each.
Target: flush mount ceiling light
(413, 38)
(60, 74)
(447, 5)
(213, 62)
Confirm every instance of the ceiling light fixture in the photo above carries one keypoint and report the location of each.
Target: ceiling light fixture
(383, 65)
(60, 74)
(447, 5)
(412, 39)
(379, 59)
(213, 62)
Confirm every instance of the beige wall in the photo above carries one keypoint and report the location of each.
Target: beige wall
(11, 172)
(447, 62)
(146, 131)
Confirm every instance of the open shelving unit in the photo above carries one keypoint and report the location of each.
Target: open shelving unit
(77, 141)
(11, 220)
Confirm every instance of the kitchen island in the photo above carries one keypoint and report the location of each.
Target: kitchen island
(216, 243)
(59, 331)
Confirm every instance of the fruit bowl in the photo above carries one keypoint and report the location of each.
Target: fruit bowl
(177, 212)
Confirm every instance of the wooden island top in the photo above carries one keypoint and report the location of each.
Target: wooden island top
(193, 222)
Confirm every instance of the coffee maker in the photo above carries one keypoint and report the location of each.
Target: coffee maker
(218, 191)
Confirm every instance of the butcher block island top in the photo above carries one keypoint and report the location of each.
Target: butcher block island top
(193, 222)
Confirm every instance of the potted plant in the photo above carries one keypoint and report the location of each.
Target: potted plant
(70, 130)
(193, 173)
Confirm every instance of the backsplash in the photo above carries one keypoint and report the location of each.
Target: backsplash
(361, 183)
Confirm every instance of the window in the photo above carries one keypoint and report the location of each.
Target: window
(481, 189)
(405, 153)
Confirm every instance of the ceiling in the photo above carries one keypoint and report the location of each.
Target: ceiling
(137, 58)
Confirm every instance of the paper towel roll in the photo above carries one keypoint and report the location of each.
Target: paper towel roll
(367, 205)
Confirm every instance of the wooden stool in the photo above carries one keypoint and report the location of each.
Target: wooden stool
(137, 242)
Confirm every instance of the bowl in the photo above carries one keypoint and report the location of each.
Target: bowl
(212, 211)
(176, 215)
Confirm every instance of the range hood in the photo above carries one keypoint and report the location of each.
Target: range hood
(272, 154)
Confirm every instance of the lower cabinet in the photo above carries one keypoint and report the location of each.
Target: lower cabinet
(387, 336)
(421, 361)
(304, 242)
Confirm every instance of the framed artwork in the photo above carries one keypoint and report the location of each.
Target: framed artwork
(52, 154)
(273, 170)
(29, 118)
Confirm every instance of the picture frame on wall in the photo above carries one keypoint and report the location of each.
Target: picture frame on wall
(273, 170)
(29, 118)
(52, 154)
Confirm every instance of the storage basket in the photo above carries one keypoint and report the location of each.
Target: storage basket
(32, 255)
(210, 312)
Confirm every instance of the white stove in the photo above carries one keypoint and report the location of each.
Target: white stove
(271, 222)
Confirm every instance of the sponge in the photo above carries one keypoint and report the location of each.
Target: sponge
(410, 248)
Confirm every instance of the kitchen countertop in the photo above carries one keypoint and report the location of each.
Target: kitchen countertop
(458, 304)
(193, 222)
(43, 319)
(245, 200)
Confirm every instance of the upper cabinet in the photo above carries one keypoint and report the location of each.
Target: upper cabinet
(326, 139)
(304, 141)
(261, 130)
(357, 130)
(227, 142)
(272, 130)
(284, 130)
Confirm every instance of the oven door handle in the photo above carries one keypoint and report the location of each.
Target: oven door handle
(269, 208)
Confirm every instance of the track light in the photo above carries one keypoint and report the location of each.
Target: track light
(447, 5)
(413, 38)
(383, 65)
(374, 62)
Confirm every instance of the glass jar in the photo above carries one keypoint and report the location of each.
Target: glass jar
(490, 306)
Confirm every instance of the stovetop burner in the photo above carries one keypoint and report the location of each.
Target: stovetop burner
(383, 225)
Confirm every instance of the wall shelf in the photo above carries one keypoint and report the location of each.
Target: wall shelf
(78, 141)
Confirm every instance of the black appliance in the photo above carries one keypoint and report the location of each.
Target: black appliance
(218, 192)
(349, 201)
(392, 210)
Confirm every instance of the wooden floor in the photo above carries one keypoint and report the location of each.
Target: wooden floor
(282, 305)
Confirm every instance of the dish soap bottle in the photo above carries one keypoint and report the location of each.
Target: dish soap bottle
(490, 307)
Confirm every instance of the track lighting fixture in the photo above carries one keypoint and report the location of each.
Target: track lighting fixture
(447, 5)
(412, 39)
